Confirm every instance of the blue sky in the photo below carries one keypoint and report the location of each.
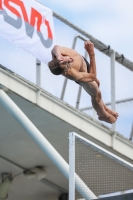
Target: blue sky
(111, 22)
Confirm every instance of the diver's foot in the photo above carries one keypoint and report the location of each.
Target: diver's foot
(115, 114)
(109, 119)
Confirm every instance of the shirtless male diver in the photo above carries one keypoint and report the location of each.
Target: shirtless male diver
(72, 65)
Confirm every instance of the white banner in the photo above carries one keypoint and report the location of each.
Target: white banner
(28, 24)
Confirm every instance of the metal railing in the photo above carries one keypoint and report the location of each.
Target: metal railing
(112, 61)
(23, 64)
(114, 57)
(106, 49)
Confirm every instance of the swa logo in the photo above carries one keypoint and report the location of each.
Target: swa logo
(35, 18)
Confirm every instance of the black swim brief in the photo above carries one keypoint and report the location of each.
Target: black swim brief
(88, 66)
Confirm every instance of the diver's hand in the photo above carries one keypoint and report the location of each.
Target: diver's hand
(89, 46)
(64, 59)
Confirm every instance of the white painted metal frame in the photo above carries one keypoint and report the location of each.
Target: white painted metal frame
(86, 193)
(71, 166)
(72, 184)
(103, 151)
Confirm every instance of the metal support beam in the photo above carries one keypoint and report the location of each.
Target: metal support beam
(72, 166)
(80, 87)
(112, 64)
(42, 142)
(78, 97)
(63, 89)
(131, 134)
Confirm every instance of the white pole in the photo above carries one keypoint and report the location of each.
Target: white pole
(47, 148)
(71, 166)
(112, 64)
(131, 133)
